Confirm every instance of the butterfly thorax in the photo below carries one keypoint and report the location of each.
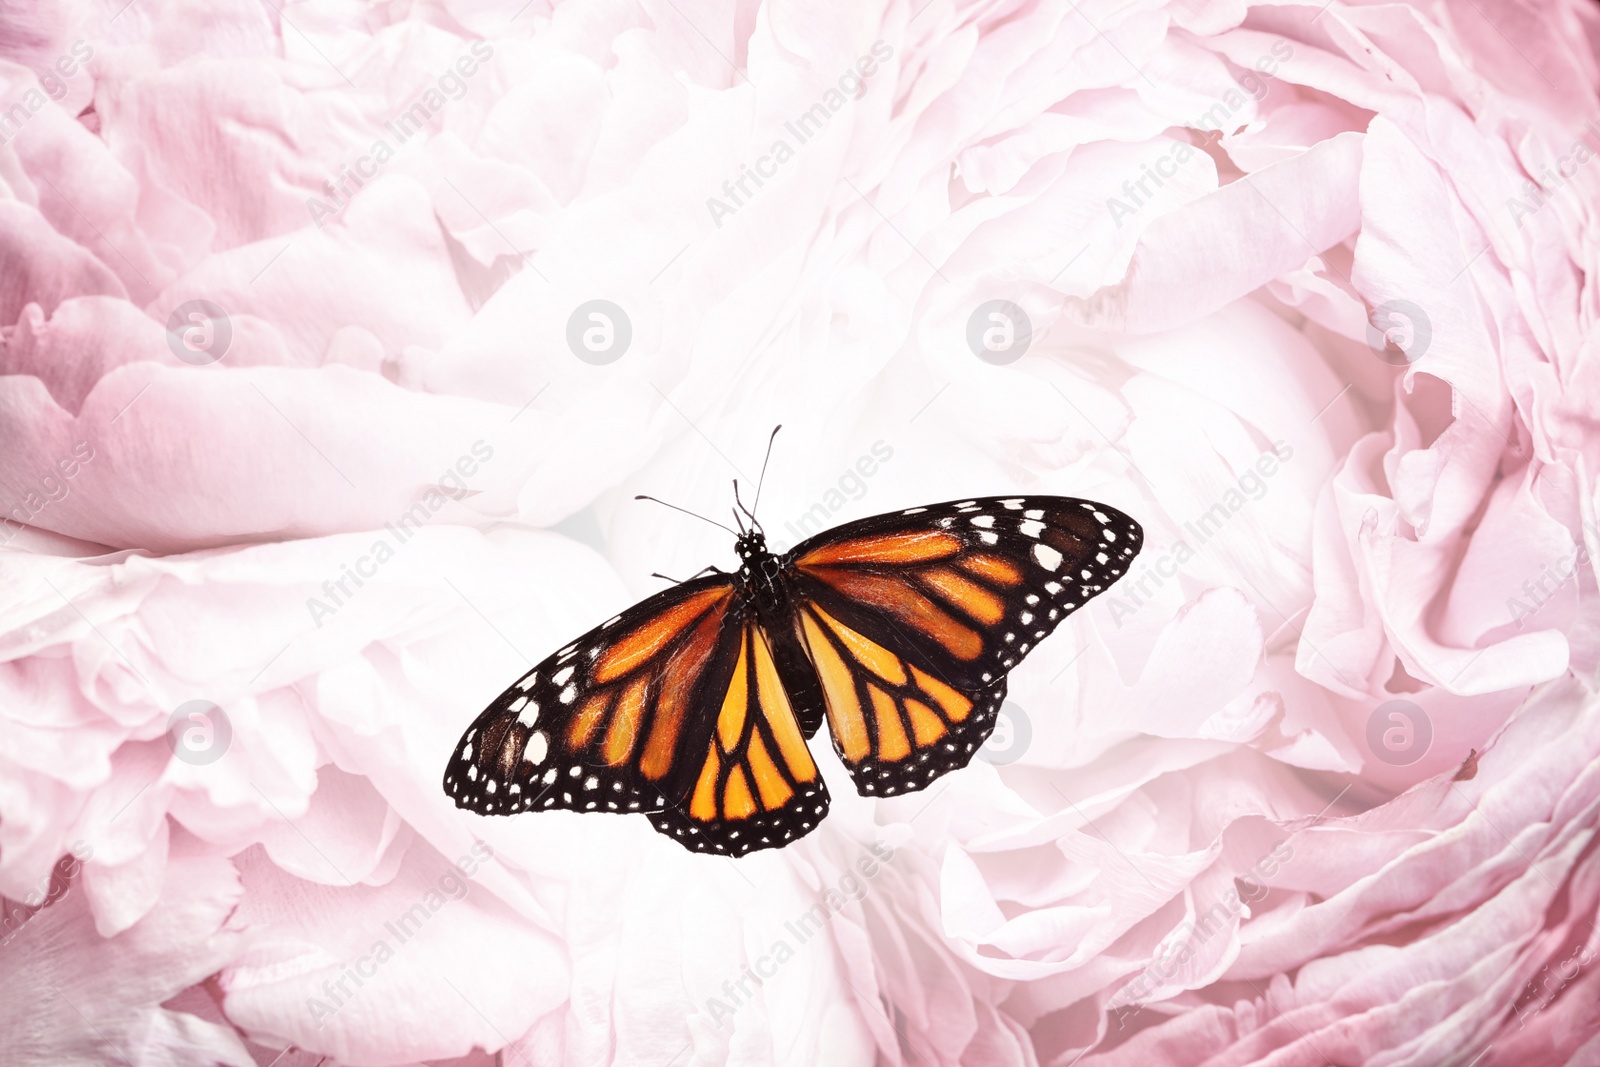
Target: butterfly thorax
(758, 568)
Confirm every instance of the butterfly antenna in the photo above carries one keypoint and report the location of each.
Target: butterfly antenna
(763, 479)
(686, 511)
(742, 508)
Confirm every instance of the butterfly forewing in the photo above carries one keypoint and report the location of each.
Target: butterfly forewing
(757, 785)
(914, 619)
(612, 721)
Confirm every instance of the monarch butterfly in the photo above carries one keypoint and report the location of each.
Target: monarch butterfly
(693, 706)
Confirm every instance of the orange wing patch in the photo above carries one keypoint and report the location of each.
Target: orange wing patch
(899, 599)
(966, 594)
(624, 729)
(917, 546)
(737, 801)
(775, 790)
(955, 705)
(880, 707)
(638, 646)
(839, 691)
(875, 657)
(672, 695)
(892, 742)
(780, 716)
(927, 726)
(757, 761)
(594, 709)
(998, 570)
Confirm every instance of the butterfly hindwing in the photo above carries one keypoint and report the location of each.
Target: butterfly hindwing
(757, 785)
(610, 722)
(896, 726)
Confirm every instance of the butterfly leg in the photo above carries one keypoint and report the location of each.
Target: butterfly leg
(692, 577)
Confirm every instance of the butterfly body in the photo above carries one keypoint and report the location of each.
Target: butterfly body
(694, 706)
(765, 584)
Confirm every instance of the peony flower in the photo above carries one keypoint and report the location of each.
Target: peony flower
(337, 343)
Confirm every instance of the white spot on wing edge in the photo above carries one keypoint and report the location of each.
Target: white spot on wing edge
(536, 749)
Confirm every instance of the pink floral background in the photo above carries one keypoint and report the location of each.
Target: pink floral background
(1309, 290)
